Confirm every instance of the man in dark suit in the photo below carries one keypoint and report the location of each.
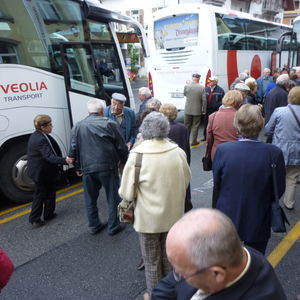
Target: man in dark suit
(277, 97)
(214, 95)
(43, 158)
(124, 116)
(210, 263)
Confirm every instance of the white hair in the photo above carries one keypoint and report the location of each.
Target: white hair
(95, 105)
(155, 125)
(145, 91)
(282, 79)
(154, 103)
(218, 246)
(243, 76)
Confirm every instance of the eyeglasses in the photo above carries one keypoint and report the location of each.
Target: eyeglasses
(48, 124)
(178, 277)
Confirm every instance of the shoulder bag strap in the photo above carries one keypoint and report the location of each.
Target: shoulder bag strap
(138, 165)
(50, 144)
(294, 114)
(275, 188)
(209, 147)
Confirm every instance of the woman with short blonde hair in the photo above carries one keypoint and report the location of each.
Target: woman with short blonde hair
(251, 97)
(249, 121)
(169, 110)
(220, 127)
(233, 99)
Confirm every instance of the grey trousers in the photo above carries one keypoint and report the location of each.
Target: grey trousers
(292, 174)
(157, 266)
(192, 123)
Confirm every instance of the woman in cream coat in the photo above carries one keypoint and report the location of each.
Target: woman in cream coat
(163, 179)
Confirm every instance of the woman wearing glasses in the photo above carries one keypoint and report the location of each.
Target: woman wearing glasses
(44, 158)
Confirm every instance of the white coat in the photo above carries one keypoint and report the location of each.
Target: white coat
(164, 177)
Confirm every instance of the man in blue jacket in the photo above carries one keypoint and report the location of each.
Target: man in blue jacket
(210, 263)
(124, 116)
(277, 97)
(262, 83)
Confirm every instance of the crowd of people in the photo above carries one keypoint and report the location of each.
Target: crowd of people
(213, 253)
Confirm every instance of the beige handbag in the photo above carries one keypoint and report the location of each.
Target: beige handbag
(125, 207)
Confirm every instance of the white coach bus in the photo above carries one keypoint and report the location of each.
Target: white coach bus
(209, 40)
(51, 53)
(294, 50)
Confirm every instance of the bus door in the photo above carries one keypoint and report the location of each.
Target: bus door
(82, 79)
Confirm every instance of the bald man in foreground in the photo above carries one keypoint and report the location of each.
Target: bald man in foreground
(210, 263)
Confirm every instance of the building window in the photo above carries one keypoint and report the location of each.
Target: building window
(135, 14)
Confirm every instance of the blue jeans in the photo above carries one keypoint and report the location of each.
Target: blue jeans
(92, 184)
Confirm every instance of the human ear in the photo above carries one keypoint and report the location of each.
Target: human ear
(218, 273)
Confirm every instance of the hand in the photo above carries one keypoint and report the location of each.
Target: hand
(79, 173)
(69, 160)
(129, 145)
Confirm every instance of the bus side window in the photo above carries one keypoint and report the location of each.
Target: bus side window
(231, 33)
(256, 35)
(8, 53)
(273, 34)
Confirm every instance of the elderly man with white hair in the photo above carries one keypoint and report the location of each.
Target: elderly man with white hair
(124, 116)
(214, 95)
(209, 262)
(98, 149)
(144, 97)
(262, 83)
(277, 97)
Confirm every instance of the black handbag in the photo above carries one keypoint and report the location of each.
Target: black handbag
(278, 217)
(61, 178)
(206, 160)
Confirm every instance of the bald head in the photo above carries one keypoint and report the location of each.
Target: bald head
(204, 237)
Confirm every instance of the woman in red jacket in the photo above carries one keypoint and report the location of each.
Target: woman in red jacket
(220, 127)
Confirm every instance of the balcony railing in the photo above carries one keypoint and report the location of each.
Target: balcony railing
(215, 2)
(271, 7)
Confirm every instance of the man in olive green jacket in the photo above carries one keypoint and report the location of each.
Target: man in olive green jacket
(195, 106)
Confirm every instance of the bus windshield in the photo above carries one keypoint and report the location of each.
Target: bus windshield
(176, 32)
(35, 40)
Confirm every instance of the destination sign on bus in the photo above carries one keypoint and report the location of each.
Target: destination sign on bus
(176, 32)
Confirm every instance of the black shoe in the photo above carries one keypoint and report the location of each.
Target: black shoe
(51, 217)
(98, 229)
(141, 265)
(37, 223)
(120, 228)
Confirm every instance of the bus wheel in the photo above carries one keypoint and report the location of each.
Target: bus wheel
(15, 183)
